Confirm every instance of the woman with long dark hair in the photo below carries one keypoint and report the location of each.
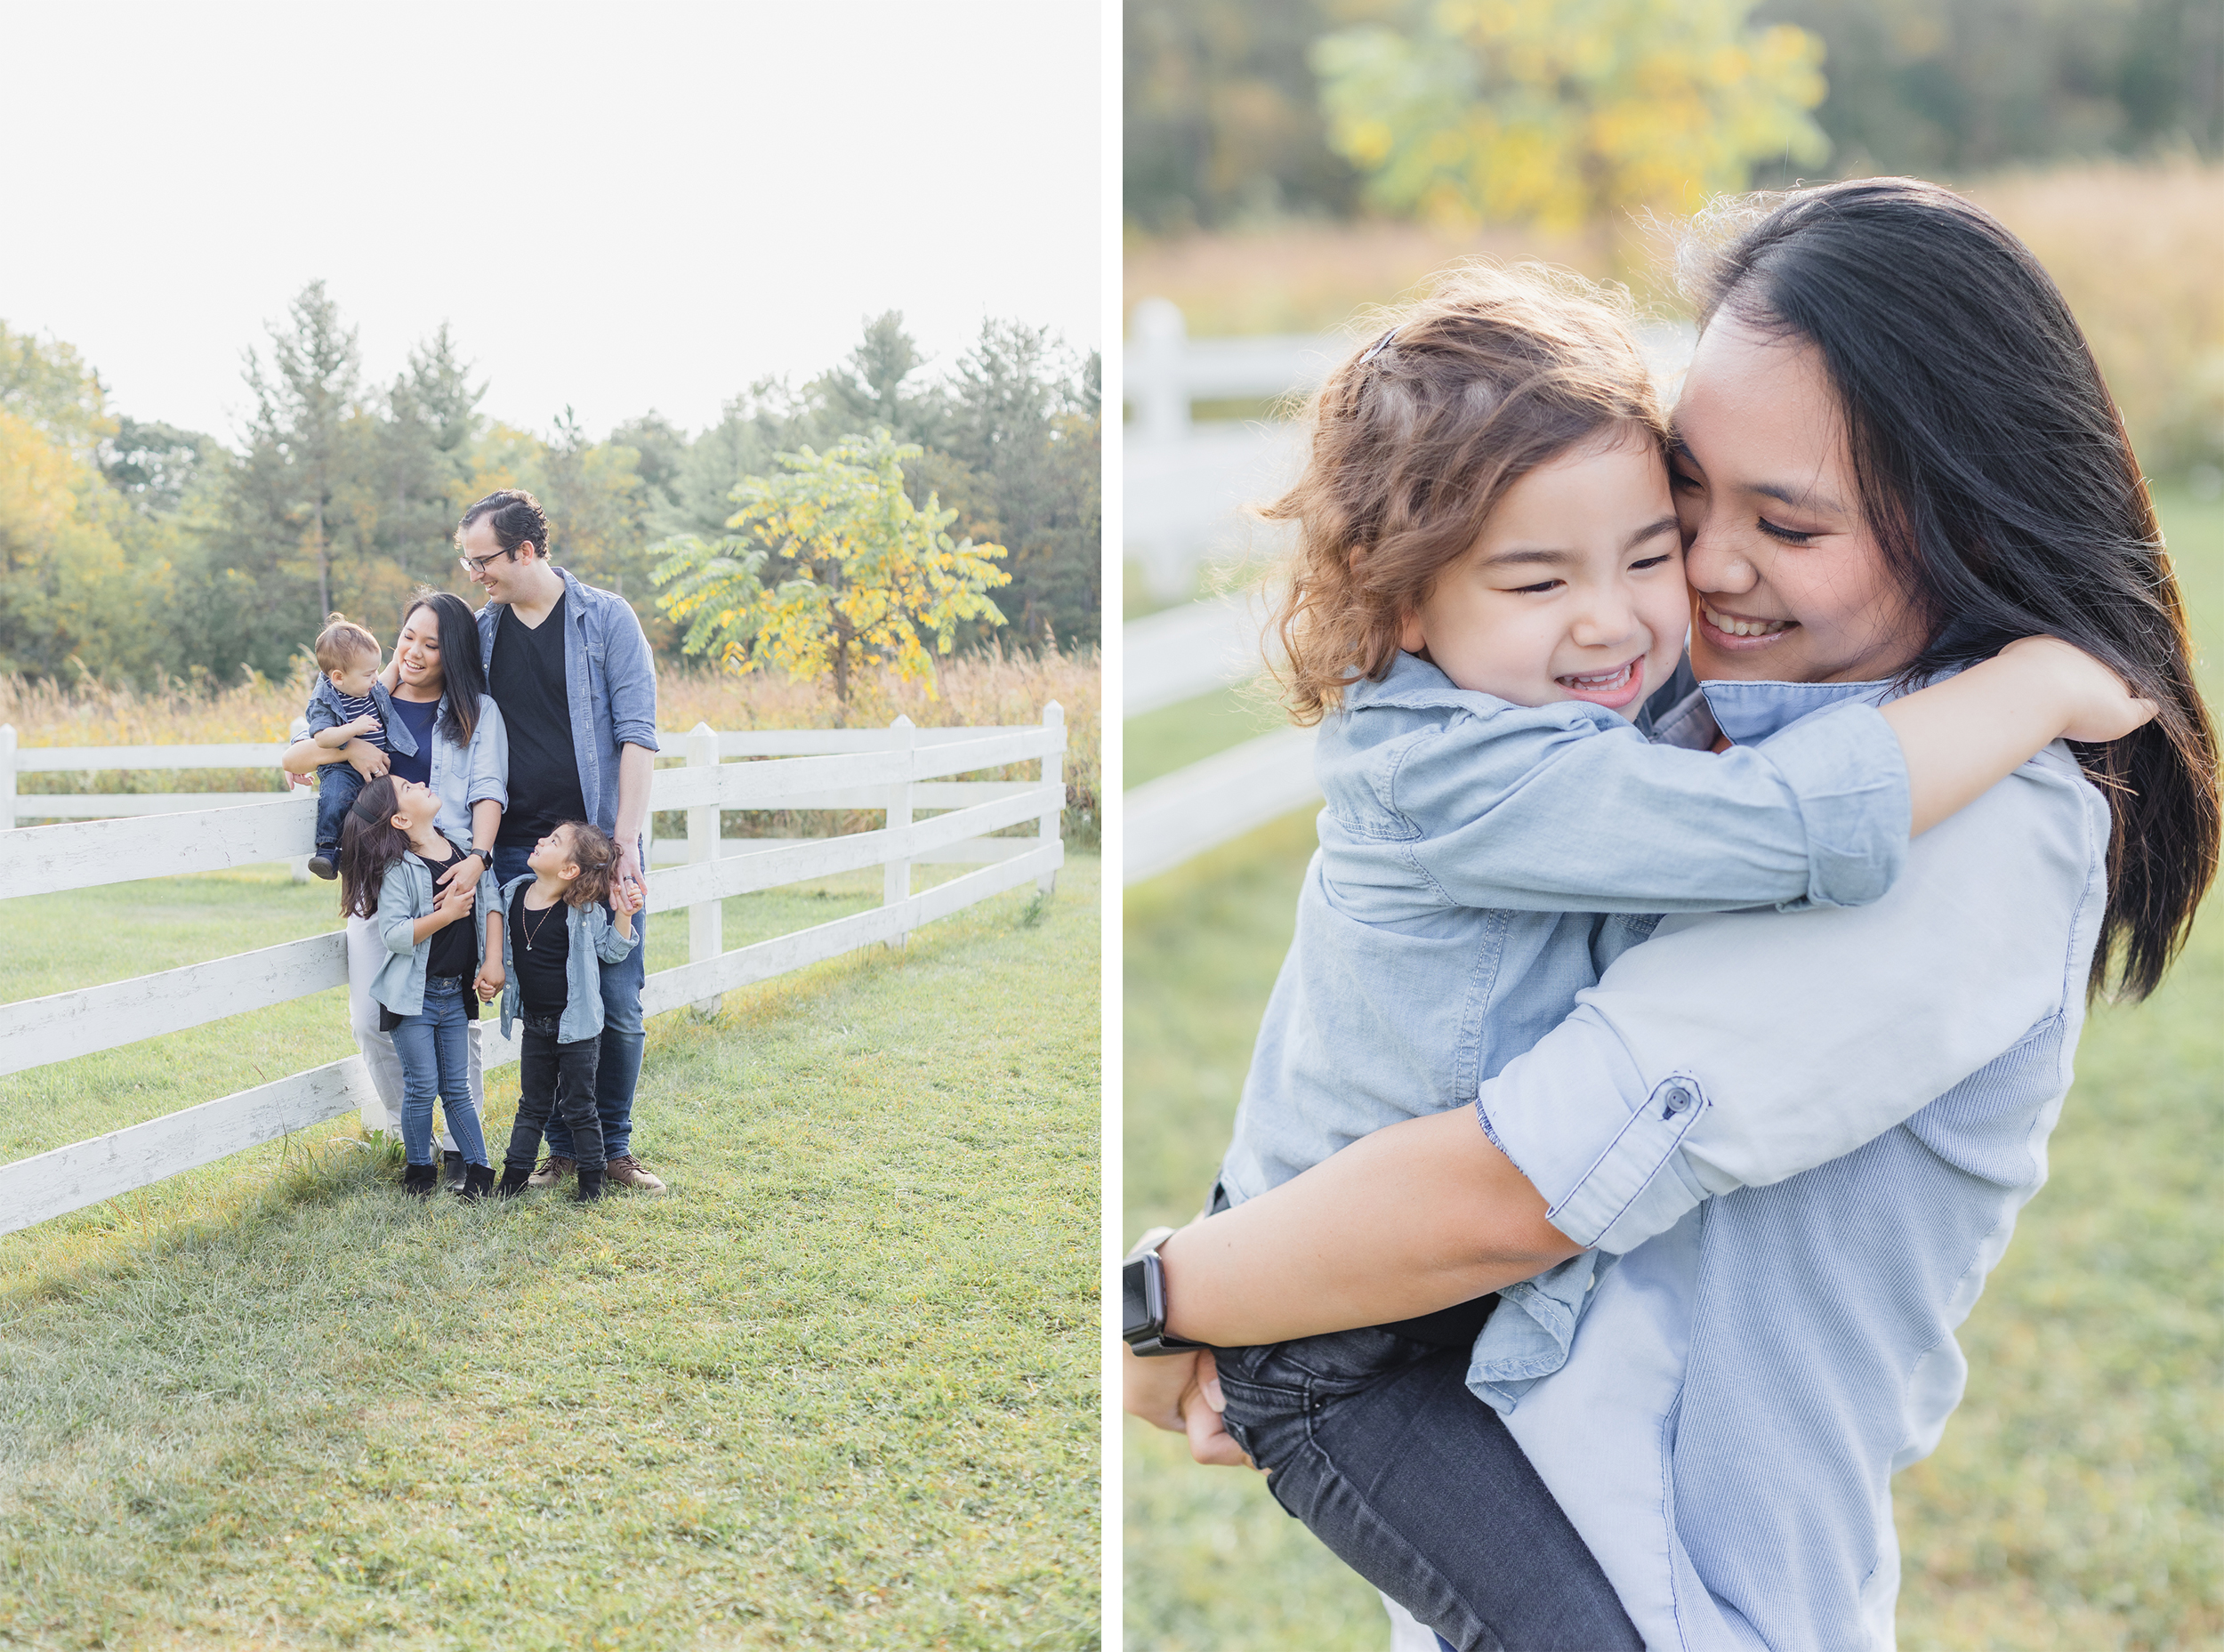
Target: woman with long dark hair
(1735, 1205)
(439, 687)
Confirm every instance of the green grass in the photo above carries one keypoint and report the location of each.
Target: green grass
(1173, 736)
(2077, 1501)
(837, 1388)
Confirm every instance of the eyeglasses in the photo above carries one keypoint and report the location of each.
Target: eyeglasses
(478, 564)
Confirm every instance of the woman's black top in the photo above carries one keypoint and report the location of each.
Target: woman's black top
(527, 680)
(540, 946)
(419, 715)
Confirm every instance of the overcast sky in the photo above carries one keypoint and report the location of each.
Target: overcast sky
(616, 208)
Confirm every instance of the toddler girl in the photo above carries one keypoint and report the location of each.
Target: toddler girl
(544, 936)
(390, 858)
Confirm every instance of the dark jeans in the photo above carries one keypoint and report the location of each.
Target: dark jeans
(554, 1079)
(1372, 1439)
(617, 1064)
(338, 786)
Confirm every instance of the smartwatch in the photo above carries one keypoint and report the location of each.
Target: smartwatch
(1143, 1298)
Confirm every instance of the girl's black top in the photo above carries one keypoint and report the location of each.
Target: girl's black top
(540, 946)
(454, 950)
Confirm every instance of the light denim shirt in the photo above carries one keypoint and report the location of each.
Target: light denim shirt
(324, 712)
(1481, 862)
(1802, 1139)
(405, 895)
(609, 680)
(591, 935)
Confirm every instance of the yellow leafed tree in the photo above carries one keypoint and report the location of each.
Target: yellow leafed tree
(861, 572)
(1563, 113)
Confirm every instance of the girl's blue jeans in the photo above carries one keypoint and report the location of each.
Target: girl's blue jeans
(435, 1054)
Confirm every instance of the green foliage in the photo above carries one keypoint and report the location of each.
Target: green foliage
(1564, 113)
(866, 570)
(49, 387)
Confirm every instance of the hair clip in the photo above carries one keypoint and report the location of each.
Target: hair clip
(1377, 348)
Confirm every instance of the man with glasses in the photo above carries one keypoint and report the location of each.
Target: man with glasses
(572, 673)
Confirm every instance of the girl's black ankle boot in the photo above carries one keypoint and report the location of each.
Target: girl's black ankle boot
(478, 1182)
(418, 1180)
(590, 1185)
(512, 1182)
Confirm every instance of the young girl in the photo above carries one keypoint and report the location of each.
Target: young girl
(392, 857)
(545, 936)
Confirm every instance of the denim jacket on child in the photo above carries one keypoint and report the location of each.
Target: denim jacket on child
(591, 936)
(324, 712)
(405, 895)
(1481, 863)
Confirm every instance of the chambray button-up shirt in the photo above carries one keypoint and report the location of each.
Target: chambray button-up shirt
(1801, 1140)
(1481, 862)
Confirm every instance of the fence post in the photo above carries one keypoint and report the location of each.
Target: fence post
(705, 918)
(1053, 773)
(299, 864)
(896, 875)
(8, 777)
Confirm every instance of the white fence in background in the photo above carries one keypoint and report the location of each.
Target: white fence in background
(1187, 483)
(897, 771)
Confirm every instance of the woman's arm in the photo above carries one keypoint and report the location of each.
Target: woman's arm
(1730, 1050)
(1419, 1216)
(305, 757)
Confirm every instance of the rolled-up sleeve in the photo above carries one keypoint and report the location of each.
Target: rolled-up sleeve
(490, 757)
(396, 922)
(1739, 1049)
(1580, 818)
(631, 671)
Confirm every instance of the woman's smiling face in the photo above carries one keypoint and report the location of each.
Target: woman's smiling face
(1788, 584)
(417, 655)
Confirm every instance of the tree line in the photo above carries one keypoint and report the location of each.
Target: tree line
(133, 549)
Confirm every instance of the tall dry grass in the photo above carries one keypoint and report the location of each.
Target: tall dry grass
(2135, 248)
(970, 691)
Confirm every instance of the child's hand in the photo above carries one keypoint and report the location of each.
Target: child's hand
(491, 977)
(455, 901)
(625, 898)
(365, 724)
(2095, 702)
(367, 760)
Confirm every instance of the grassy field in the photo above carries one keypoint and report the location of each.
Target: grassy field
(837, 1388)
(2077, 1501)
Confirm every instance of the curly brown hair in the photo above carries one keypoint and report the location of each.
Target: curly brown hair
(593, 851)
(1416, 437)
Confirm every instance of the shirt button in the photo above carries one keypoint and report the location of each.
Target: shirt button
(1677, 1099)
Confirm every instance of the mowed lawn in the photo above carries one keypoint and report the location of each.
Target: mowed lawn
(2077, 1501)
(837, 1388)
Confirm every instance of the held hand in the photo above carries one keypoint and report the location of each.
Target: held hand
(367, 760)
(2096, 704)
(1182, 1394)
(626, 899)
(626, 875)
(491, 977)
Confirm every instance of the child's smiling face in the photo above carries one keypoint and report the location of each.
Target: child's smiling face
(1574, 591)
(355, 678)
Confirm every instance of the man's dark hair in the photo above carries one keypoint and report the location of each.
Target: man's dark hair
(516, 518)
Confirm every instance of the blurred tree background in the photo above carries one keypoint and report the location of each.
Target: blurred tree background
(132, 551)
(1288, 161)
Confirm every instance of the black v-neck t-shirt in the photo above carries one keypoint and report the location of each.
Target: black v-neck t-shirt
(527, 680)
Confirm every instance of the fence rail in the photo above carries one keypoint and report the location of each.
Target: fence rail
(898, 771)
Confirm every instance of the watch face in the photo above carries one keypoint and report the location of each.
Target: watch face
(1135, 1315)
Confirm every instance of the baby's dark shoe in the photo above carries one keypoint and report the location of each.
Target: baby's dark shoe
(325, 864)
(418, 1180)
(589, 1184)
(513, 1182)
(478, 1182)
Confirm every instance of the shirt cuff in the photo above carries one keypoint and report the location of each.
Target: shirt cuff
(1849, 777)
(1596, 1140)
(643, 734)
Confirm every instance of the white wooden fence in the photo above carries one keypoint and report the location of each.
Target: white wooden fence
(897, 771)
